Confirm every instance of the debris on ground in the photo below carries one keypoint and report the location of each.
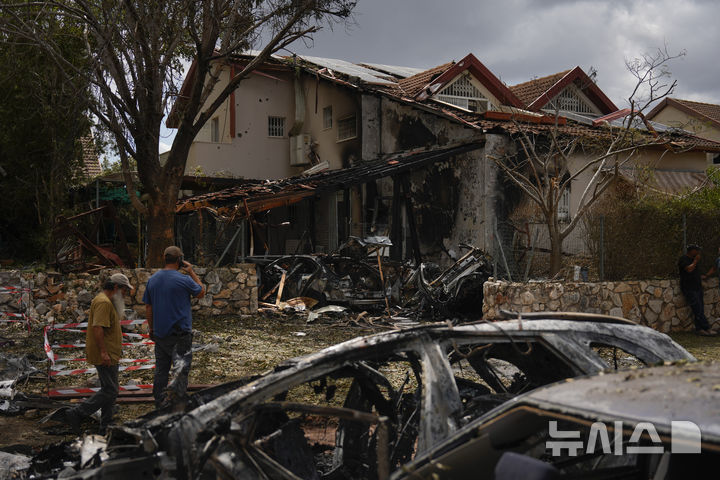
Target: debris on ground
(358, 278)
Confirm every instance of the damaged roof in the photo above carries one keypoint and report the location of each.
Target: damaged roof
(417, 90)
(260, 196)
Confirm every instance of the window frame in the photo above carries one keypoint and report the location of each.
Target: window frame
(327, 119)
(215, 130)
(279, 125)
(339, 129)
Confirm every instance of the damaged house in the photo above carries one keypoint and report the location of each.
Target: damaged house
(324, 149)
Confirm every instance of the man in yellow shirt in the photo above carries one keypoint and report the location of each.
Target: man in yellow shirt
(103, 345)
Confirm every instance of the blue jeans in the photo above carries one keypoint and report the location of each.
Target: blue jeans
(694, 299)
(174, 351)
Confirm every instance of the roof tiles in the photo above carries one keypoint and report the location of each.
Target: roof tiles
(529, 91)
(411, 86)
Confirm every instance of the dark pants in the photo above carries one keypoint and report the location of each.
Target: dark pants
(173, 351)
(103, 400)
(694, 299)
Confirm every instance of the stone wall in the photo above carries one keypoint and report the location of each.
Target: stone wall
(656, 303)
(52, 296)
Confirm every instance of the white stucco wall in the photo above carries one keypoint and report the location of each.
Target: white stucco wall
(251, 152)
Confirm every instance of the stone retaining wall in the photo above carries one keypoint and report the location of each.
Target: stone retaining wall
(52, 296)
(656, 303)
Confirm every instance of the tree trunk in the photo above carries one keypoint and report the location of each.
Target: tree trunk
(555, 249)
(160, 229)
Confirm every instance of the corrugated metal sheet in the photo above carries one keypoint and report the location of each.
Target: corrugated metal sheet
(402, 72)
(365, 74)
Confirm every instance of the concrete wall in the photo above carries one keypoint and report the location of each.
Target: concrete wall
(656, 303)
(230, 291)
(251, 153)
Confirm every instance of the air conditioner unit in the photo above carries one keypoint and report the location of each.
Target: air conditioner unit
(300, 150)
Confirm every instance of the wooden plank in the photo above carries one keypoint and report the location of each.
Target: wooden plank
(280, 290)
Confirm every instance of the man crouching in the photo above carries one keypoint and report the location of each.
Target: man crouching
(103, 345)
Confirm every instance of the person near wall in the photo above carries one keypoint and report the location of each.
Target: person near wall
(103, 349)
(714, 269)
(691, 287)
(167, 307)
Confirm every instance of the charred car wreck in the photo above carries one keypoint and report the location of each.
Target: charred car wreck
(356, 276)
(365, 407)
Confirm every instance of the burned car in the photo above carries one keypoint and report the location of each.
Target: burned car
(661, 423)
(355, 277)
(366, 407)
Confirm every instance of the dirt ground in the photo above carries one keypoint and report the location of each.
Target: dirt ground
(236, 347)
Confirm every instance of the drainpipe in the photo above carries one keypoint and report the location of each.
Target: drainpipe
(299, 108)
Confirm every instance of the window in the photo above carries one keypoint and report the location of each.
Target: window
(570, 100)
(276, 126)
(215, 130)
(462, 93)
(327, 118)
(564, 205)
(347, 128)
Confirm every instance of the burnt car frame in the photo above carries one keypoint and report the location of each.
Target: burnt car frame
(661, 423)
(365, 407)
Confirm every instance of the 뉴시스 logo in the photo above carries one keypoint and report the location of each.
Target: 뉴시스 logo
(685, 438)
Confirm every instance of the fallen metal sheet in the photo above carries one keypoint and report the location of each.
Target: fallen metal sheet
(13, 466)
(15, 368)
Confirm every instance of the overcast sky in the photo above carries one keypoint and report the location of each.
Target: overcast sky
(519, 40)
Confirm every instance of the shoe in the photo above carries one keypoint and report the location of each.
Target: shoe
(65, 415)
(73, 420)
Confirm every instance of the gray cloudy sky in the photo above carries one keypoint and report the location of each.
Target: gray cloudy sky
(522, 39)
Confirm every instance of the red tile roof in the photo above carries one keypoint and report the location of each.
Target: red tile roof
(529, 91)
(705, 111)
(412, 86)
(546, 88)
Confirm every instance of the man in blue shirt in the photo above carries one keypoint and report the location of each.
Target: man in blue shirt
(167, 307)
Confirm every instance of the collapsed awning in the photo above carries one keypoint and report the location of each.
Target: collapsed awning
(259, 196)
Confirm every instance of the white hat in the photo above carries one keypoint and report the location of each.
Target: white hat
(120, 279)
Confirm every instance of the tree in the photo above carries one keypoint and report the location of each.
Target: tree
(540, 166)
(137, 49)
(43, 113)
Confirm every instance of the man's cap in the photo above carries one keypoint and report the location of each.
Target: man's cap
(693, 246)
(173, 251)
(120, 279)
